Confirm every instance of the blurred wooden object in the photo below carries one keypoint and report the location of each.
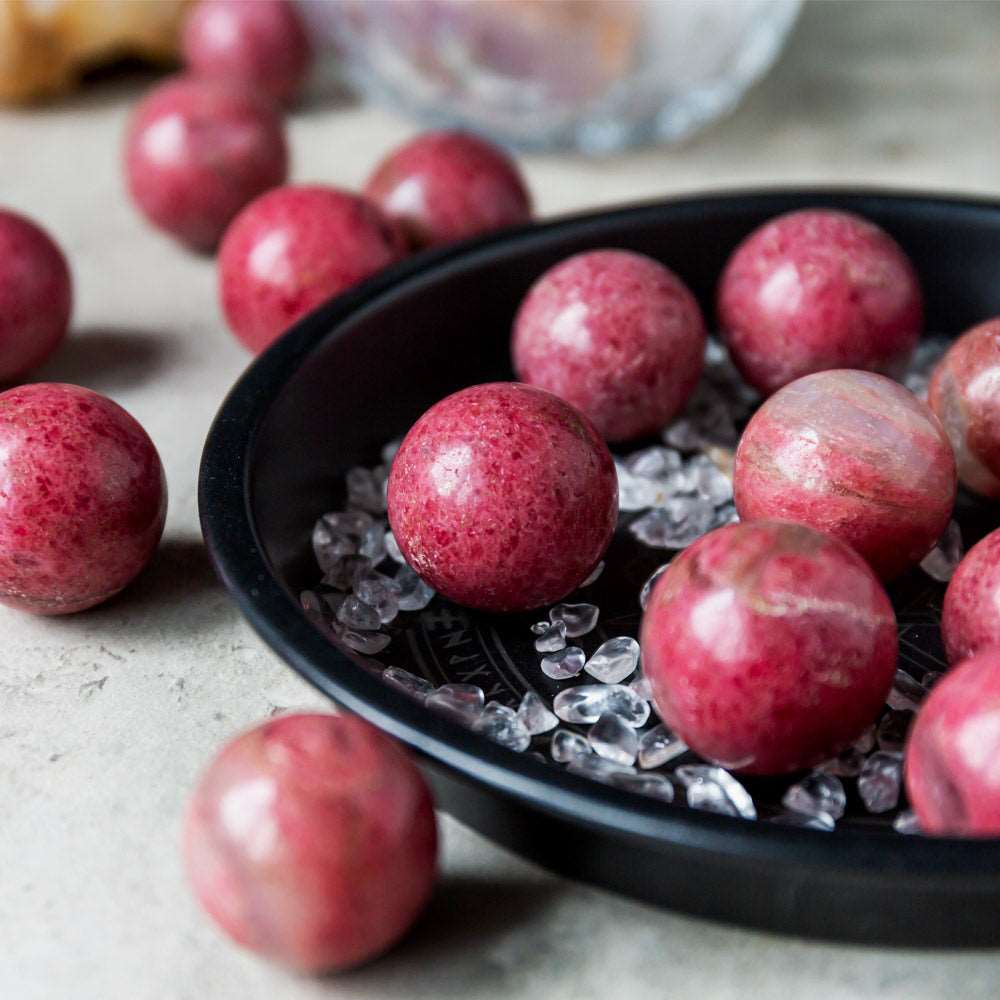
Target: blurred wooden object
(46, 44)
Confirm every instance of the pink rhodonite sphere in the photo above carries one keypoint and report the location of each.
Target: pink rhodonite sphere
(855, 455)
(445, 186)
(965, 395)
(970, 617)
(291, 250)
(260, 44)
(82, 498)
(36, 295)
(768, 646)
(953, 749)
(814, 290)
(197, 151)
(503, 497)
(311, 839)
(617, 335)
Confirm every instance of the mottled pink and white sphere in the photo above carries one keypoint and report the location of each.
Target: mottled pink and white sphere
(965, 394)
(82, 498)
(503, 497)
(257, 43)
(952, 753)
(616, 334)
(815, 290)
(291, 250)
(855, 455)
(970, 615)
(446, 186)
(311, 839)
(196, 151)
(36, 295)
(769, 647)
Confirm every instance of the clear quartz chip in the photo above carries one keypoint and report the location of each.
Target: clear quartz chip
(594, 577)
(806, 821)
(709, 482)
(567, 746)
(552, 639)
(535, 715)
(818, 793)
(539, 627)
(634, 492)
(389, 451)
(380, 592)
(906, 822)
(892, 730)
(865, 743)
(345, 571)
(462, 703)
(942, 561)
(563, 663)
(647, 587)
(655, 786)
(392, 548)
(415, 687)
(413, 594)
(675, 525)
(906, 693)
(372, 544)
(613, 739)
(353, 523)
(364, 491)
(579, 619)
(614, 660)
(368, 643)
(640, 685)
(715, 790)
(598, 768)
(355, 614)
(330, 546)
(847, 764)
(588, 702)
(653, 463)
(879, 781)
(659, 746)
(501, 724)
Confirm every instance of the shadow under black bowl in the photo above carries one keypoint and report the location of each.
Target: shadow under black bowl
(358, 371)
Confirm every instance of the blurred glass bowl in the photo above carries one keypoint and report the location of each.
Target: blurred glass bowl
(594, 75)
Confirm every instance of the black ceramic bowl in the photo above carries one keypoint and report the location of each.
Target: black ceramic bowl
(358, 371)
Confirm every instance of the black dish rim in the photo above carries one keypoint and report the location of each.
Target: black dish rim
(233, 545)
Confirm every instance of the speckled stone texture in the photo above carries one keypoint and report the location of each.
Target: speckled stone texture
(261, 44)
(815, 290)
(965, 394)
(768, 646)
(82, 498)
(503, 497)
(196, 151)
(36, 295)
(445, 186)
(855, 455)
(953, 753)
(970, 616)
(616, 334)
(293, 248)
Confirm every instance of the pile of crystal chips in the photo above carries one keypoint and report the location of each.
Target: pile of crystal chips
(601, 723)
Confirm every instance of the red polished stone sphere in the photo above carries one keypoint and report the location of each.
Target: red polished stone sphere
(965, 394)
(503, 497)
(291, 250)
(855, 455)
(815, 290)
(36, 295)
(311, 839)
(617, 335)
(82, 498)
(197, 151)
(257, 43)
(446, 186)
(768, 646)
(951, 769)
(970, 617)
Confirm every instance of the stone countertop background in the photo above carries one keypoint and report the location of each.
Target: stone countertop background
(107, 717)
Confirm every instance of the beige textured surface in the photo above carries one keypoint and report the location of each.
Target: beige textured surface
(105, 718)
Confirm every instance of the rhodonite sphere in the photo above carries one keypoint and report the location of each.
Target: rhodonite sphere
(769, 647)
(311, 839)
(970, 616)
(503, 497)
(814, 290)
(953, 749)
(855, 455)
(444, 186)
(965, 394)
(616, 334)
